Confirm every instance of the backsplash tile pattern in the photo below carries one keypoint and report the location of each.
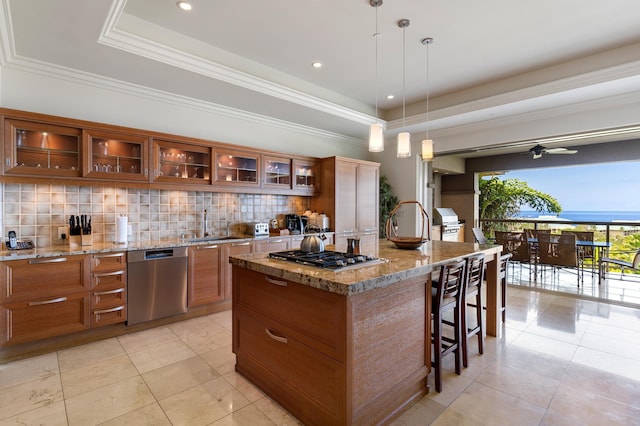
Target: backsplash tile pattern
(35, 211)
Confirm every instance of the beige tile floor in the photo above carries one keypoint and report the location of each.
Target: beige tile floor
(561, 361)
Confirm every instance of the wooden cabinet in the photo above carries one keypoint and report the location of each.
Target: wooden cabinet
(236, 168)
(181, 163)
(205, 275)
(276, 172)
(108, 288)
(40, 149)
(332, 359)
(349, 196)
(271, 244)
(41, 298)
(305, 179)
(232, 249)
(111, 155)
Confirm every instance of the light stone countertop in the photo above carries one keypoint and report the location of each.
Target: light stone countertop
(398, 265)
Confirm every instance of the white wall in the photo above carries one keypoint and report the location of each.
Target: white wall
(88, 97)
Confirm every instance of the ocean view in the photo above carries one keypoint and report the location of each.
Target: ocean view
(587, 216)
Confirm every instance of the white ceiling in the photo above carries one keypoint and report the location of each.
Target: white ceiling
(496, 59)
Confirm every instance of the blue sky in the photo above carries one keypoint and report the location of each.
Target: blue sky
(600, 187)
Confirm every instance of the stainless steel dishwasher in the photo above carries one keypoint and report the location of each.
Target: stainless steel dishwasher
(156, 284)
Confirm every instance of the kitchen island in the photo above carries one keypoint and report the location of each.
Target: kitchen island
(346, 347)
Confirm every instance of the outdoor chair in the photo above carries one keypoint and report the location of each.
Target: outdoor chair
(479, 236)
(621, 263)
(559, 253)
(584, 252)
(516, 244)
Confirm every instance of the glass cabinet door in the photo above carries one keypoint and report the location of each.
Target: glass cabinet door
(177, 162)
(41, 149)
(116, 155)
(306, 175)
(236, 168)
(277, 172)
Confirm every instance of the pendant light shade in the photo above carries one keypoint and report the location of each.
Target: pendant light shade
(427, 144)
(404, 138)
(376, 138)
(404, 145)
(376, 134)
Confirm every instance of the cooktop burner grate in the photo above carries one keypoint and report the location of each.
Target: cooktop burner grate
(333, 260)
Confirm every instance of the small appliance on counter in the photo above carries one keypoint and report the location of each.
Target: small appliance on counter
(293, 223)
(259, 229)
(15, 244)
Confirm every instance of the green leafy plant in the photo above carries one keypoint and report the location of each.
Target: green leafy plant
(387, 202)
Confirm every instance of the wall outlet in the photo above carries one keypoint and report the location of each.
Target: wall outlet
(63, 230)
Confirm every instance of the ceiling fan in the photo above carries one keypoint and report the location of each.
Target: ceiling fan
(538, 150)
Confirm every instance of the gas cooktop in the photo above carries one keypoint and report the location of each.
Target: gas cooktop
(333, 260)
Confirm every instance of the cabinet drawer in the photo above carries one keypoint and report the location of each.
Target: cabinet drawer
(106, 316)
(315, 317)
(42, 318)
(105, 299)
(304, 377)
(109, 280)
(109, 262)
(43, 278)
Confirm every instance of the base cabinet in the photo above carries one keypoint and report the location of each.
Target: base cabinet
(108, 289)
(204, 276)
(42, 298)
(332, 359)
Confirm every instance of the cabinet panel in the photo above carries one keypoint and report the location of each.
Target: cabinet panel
(271, 244)
(41, 149)
(108, 289)
(109, 262)
(115, 155)
(368, 181)
(232, 249)
(236, 168)
(41, 278)
(204, 281)
(305, 176)
(181, 163)
(41, 318)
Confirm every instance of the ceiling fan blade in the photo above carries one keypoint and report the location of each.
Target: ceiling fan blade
(560, 151)
(536, 156)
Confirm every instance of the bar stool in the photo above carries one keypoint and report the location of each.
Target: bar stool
(474, 279)
(504, 264)
(447, 295)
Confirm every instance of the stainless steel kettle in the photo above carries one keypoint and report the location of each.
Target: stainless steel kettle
(312, 242)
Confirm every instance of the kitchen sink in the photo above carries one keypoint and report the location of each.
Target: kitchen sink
(218, 238)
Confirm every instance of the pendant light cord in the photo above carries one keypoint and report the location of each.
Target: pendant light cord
(404, 73)
(376, 35)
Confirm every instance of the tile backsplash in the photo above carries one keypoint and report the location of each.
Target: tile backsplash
(35, 211)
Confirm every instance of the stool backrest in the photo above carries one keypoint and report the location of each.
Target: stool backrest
(452, 278)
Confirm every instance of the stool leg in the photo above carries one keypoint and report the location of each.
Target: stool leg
(458, 338)
(463, 327)
(480, 325)
(437, 351)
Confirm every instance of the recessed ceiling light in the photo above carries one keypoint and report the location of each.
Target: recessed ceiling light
(317, 64)
(185, 5)
(390, 97)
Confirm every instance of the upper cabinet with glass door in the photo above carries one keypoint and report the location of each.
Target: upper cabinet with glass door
(181, 163)
(276, 172)
(41, 149)
(115, 155)
(305, 176)
(236, 168)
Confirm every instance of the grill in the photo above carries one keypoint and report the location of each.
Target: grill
(448, 220)
(332, 260)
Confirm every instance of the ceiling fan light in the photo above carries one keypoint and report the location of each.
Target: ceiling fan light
(427, 150)
(404, 145)
(376, 138)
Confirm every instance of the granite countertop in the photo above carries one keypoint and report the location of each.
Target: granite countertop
(107, 247)
(398, 265)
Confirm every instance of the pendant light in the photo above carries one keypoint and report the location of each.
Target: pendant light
(427, 144)
(404, 138)
(376, 136)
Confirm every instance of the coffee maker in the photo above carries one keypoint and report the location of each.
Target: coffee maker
(293, 222)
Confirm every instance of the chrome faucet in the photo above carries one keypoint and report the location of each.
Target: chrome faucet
(205, 231)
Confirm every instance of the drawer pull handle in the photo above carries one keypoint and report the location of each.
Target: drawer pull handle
(102, 293)
(240, 244)
(109, 274)
(101, 256)
(276, 338)
(106, 311)
(274, 241)
(208, 247)
(276, 282)
(56, 260)
(48, 302)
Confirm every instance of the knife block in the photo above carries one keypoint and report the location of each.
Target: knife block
(86, 240)
(75, 241)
